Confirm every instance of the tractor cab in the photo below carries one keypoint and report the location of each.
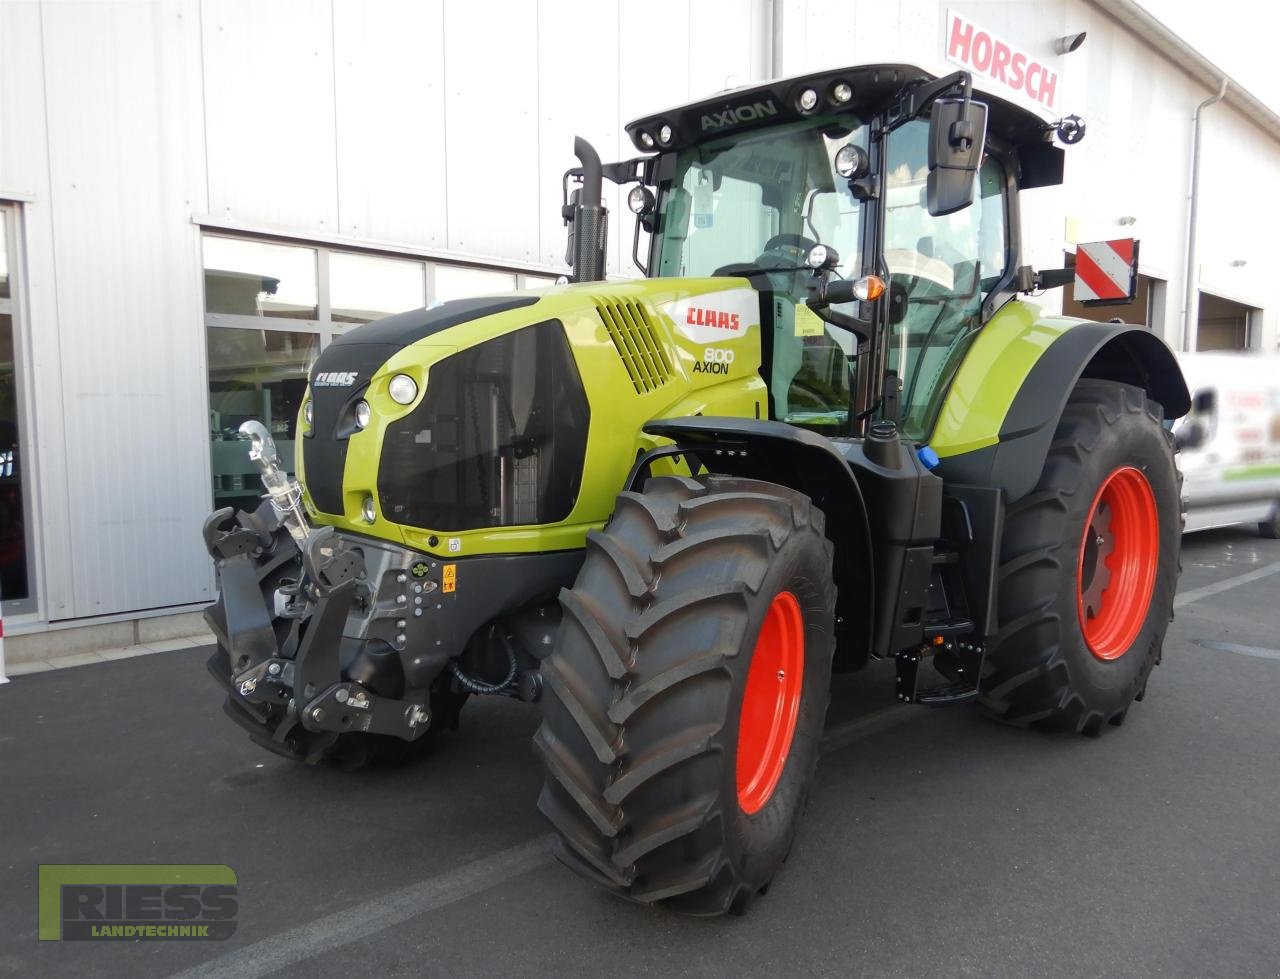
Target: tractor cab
(875, 207)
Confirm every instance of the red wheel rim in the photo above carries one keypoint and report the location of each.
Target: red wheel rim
(771, 702)
(1119, 554)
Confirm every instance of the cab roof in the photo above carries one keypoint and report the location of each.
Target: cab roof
(874, 89)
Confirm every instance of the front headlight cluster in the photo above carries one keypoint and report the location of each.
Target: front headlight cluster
(403, 390)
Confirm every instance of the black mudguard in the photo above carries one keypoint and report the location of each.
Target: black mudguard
(812, 464)
(1104, 351)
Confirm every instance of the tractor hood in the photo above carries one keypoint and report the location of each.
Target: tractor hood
(510, 434)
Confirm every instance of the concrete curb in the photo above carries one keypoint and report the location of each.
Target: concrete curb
(107, 655)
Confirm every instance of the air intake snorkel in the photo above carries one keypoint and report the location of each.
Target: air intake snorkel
(586, 217)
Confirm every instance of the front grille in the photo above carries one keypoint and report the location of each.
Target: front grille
(498, 440)
(636, 340)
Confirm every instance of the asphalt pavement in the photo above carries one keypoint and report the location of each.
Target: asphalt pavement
(935, 843)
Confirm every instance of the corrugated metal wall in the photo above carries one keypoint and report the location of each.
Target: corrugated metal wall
(441, 125)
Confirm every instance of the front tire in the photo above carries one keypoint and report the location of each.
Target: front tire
(685, 699)
(1089, 565)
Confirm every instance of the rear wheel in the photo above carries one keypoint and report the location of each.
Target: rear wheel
(685, 699)
(1089, 566)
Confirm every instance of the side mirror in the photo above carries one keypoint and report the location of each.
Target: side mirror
(957, 136)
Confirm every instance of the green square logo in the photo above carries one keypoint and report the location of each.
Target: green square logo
(137, 902)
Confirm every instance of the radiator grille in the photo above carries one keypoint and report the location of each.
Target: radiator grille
(636, 339)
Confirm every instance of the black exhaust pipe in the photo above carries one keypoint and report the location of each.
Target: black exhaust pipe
(589, 219)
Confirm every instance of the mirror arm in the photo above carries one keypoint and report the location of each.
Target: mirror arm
(918, 99)
(1032, 280)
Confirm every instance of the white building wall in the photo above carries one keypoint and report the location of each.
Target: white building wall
(123, 124)
(445, 126)
(1135, 159)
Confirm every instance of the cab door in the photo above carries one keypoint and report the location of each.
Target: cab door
(941, 270)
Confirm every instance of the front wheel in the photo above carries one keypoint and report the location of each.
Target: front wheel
(1089, 565)
(685, 699)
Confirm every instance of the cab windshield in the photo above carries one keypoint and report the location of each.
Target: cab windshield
(758, 202)
(762, 198)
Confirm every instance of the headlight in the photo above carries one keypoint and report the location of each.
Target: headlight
(370, 513)
(852, 161)
(842, 92)
(640, 200)
(808, 100)
(817, 256)
(403, 389)
(645, 140)
(363, 414)
(307, 412)
(665, 135)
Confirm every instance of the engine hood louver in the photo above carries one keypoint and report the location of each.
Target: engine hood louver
(639, 347)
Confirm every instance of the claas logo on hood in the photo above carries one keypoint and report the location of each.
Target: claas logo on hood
(335, 379)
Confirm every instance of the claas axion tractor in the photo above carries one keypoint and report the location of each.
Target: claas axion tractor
(823, 429)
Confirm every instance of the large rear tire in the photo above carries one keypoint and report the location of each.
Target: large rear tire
(685, 698)
(1089, 565)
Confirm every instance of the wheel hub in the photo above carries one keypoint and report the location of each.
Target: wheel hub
(770, 702)
(1119, 555)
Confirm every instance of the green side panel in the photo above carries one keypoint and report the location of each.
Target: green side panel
(991, 375)
(620, 405)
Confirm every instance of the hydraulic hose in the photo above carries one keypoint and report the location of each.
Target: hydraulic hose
(481, 687)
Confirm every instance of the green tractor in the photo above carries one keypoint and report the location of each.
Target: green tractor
(824, 429)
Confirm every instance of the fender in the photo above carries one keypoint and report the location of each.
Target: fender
(812, 464)
(1011, 455)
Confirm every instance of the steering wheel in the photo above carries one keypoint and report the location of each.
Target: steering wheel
(785, 251)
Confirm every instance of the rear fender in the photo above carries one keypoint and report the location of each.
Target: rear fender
(1017, 449)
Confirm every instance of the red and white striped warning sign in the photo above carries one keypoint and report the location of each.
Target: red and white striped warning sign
(1106, 271)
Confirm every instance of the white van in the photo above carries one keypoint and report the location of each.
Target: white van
(1230, 441)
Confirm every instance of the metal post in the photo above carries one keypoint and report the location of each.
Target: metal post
(1189, 302)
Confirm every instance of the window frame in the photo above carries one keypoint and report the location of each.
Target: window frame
(323, 325)
(15, 307)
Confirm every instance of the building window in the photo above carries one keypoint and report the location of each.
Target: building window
(272, 306)
(16, 574)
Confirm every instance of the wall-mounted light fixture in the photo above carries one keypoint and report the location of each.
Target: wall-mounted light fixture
(1069, 42)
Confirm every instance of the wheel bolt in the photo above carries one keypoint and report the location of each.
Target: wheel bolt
(317, 715)
(782, 675)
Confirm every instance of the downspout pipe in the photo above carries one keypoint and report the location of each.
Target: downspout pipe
(1189, 297)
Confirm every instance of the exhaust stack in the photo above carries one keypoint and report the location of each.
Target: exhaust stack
(587, 218)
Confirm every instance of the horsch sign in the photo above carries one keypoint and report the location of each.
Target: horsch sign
(989, 56)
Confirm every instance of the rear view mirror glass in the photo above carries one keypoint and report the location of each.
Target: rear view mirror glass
(957, 136)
